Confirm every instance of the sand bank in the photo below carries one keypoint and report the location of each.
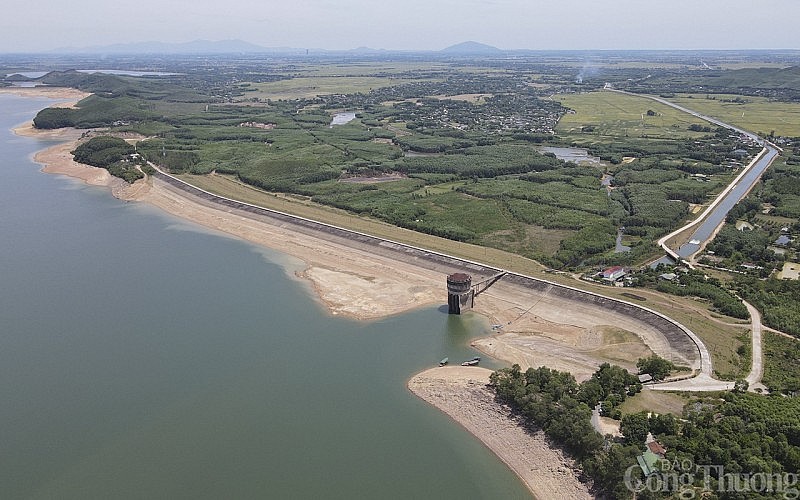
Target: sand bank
(68, 95)
(352, 280)
(537, 327)
(462, 394)
(348, 281)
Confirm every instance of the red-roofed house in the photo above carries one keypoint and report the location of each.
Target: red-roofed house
(613, 273)
(656, 448)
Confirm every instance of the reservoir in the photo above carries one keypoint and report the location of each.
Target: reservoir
(144, 357)
(343, 118)
(576, 155)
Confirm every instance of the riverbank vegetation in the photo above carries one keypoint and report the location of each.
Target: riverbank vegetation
(756, 252)
(556, 403)
(697, 284)
(742, 433)
(454, 148)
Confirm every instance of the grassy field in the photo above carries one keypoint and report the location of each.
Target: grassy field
(620, 115)
(656, 402)
(781, 373)
(755, 114)
(722, 342)
(302, 88)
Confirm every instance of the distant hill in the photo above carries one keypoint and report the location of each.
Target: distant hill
(471, 48)
(363, 50)
(193, 47)
(241, 47)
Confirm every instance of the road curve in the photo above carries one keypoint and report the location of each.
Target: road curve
(704, 382)
(768, 155)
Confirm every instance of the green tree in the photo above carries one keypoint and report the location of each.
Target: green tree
(634, 428)
(656, 366)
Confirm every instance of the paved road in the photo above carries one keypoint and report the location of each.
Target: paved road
(757, 370)
(705, 382)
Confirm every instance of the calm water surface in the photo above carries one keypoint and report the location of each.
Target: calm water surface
(343, 118)
(141, 357)
(577, 155)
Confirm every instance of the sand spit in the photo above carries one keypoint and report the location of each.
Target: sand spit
(462, 394)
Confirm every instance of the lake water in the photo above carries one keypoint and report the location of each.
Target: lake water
(121, 72)
(577, 155)
(143, 357)
(343, 118)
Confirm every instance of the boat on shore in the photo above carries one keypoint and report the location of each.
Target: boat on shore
(472, 362)
(444, 361)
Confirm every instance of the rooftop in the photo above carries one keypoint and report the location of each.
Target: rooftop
(459, 277)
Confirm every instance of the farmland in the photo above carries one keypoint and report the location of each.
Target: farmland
(759, 114)
(455, 147)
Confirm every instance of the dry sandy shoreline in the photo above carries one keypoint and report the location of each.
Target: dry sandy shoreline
(462, 394)
(68, 95)
(356, 283)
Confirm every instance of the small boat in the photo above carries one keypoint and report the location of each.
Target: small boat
(471, 362)
(443, 362)
(694, 242)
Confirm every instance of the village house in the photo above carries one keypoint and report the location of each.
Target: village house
(613, 274)
(648, 461)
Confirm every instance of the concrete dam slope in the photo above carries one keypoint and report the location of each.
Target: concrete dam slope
(551, 301)
(562, 304)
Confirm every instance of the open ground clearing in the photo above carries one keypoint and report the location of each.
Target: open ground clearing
(756, 114)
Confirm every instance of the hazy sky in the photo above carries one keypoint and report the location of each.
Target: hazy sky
(406, 24)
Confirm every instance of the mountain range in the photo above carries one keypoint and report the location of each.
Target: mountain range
(242, 47)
